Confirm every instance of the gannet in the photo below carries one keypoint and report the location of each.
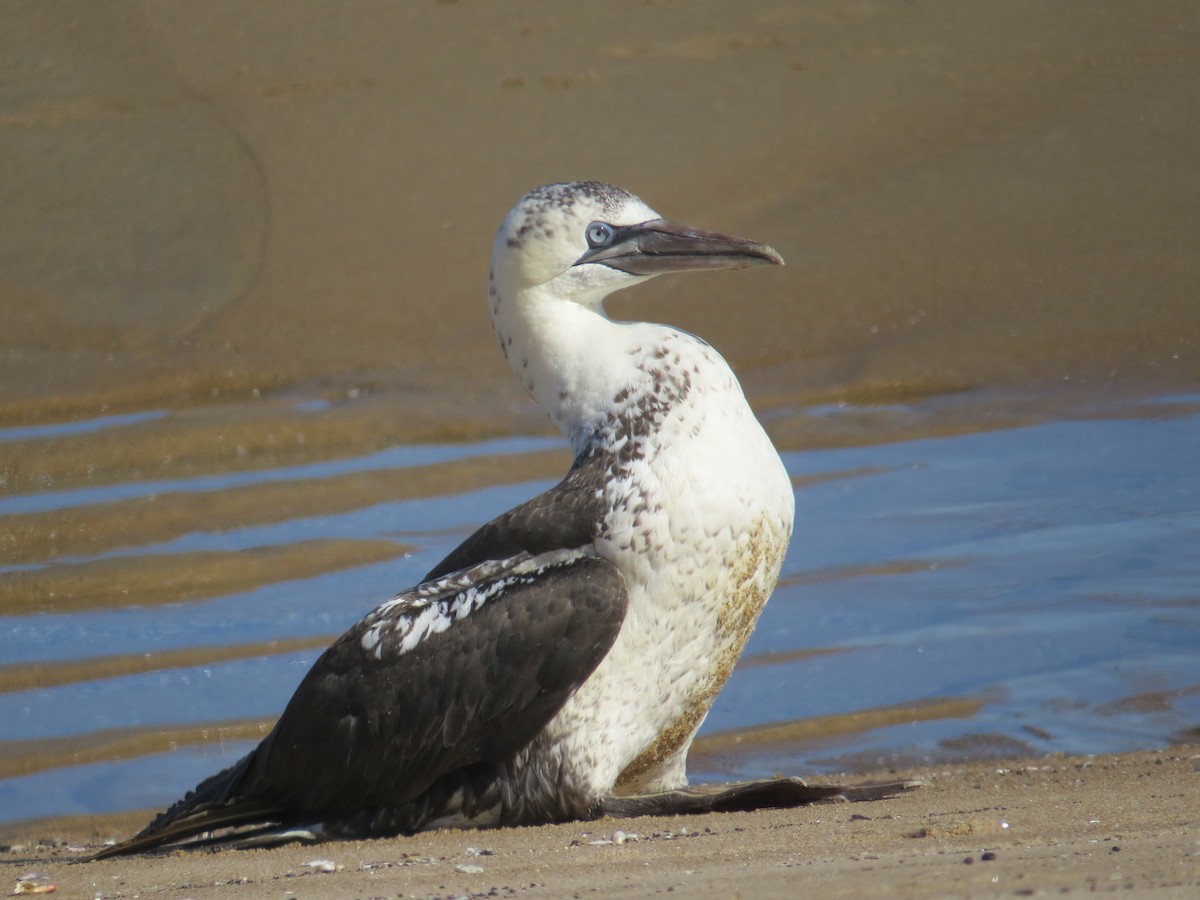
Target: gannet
(558, 663)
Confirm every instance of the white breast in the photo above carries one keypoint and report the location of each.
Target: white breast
(700, 516)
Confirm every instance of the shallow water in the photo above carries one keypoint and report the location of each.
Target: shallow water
(1017, 591)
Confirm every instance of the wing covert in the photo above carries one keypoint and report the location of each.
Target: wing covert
(567, 515)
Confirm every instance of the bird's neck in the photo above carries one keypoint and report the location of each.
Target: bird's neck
(576, 363)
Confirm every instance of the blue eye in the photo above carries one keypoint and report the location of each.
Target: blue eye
(600, 234)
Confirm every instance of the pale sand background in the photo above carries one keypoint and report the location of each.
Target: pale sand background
(208, 197)
(201, 200)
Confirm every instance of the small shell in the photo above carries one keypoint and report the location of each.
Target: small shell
(323, 865)
(25, 888)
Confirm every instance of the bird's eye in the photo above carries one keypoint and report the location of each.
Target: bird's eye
(600, 234)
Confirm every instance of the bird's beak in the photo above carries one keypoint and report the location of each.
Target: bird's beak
(658, 246)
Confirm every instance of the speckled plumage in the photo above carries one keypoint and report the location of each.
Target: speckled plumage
(697, 507)
(564, 655)
(697, 516)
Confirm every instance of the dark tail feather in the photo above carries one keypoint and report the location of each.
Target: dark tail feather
(774, 793)
(217, 802)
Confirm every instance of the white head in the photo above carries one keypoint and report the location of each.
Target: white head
(559, 253)
(584, 240)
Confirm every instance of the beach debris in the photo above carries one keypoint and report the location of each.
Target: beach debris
(468, 868)
(323, 865)
(623, 837)
(617, 837)
(33, 883)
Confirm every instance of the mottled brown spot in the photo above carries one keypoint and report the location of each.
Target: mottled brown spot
(670, 741)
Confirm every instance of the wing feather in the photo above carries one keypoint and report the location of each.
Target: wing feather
(455, 675)
(376, 729)
(567, 515)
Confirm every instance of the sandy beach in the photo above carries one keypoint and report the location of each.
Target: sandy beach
(217, 210)
(1062, 825)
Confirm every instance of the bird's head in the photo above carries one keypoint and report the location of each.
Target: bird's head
(584, 240)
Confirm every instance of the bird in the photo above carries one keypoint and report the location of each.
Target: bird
(558, 663)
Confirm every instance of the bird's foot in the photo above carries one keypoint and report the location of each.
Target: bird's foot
(742, 796)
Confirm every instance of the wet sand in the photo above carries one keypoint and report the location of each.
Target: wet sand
(1059, 825)
(218, 208)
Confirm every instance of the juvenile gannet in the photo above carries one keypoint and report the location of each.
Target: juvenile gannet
(558, 663)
